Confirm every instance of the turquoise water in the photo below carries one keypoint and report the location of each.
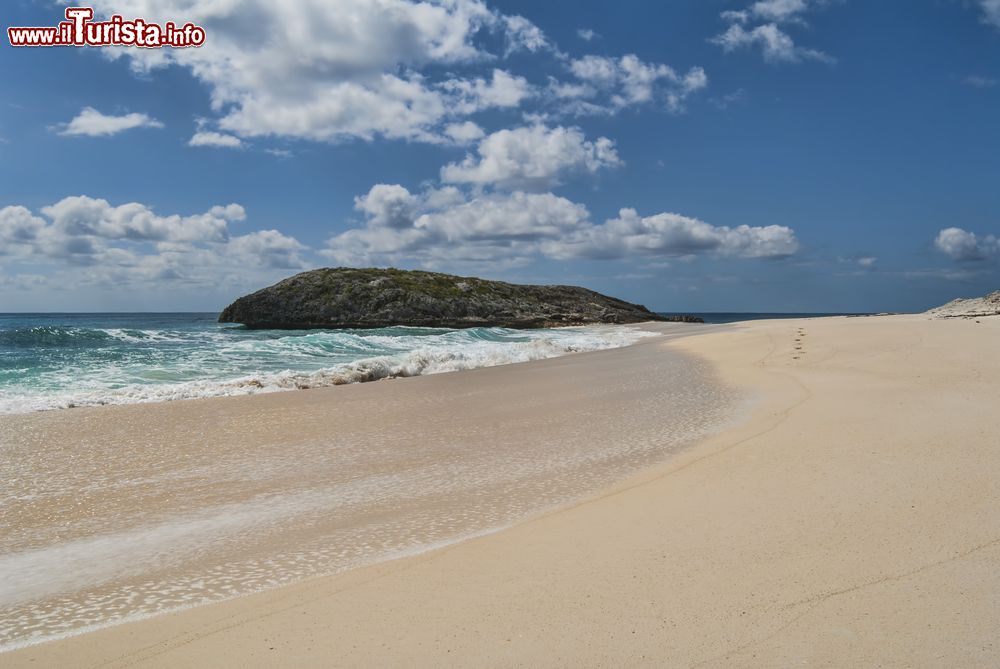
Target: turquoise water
(51, 361)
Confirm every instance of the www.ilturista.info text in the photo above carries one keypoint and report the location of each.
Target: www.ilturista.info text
(79, 29)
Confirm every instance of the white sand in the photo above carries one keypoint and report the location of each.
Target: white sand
(854, 520)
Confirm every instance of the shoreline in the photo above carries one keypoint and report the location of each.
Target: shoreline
(288, 478)
(843, 523)
(244, 363)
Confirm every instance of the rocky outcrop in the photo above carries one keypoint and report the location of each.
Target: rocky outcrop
(681, 318)
(969, 308)
(374, 298)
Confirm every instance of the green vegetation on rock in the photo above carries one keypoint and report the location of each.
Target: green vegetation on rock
(372, 298)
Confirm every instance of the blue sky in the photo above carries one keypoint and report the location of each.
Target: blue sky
(704, 155)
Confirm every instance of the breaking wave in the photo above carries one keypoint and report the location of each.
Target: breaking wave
(53, 366)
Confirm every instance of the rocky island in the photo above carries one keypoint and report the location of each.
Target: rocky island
(374, 298)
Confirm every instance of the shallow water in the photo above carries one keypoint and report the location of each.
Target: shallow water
(51, 361)
(117, 513)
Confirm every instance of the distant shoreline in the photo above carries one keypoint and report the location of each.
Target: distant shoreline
(131, 358)
(720, 317)
(751, 315)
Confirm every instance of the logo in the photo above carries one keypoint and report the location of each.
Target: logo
(79, 29)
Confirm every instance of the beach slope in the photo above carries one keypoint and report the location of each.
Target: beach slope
(852, 520)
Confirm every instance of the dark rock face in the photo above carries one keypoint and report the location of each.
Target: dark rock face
(374, 298)
(682, 319)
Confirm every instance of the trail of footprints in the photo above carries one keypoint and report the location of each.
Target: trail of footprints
(799, 336)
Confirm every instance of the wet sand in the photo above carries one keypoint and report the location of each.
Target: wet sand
(852, 520)
(116, 513)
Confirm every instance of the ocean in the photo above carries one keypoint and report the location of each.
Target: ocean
(54, 361)
(118, 515)
(720, 317)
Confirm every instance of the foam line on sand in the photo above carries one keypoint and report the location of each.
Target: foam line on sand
(853, 520)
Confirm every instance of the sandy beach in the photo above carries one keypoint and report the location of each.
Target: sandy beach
(850, 517)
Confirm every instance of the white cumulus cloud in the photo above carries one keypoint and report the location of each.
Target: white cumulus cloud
(760, 25)
(959, 244)
(19, 228)
(445, 227)
(86, 240)
(776, 45)
(523, 34)
(629, 81)
(668, 235)
(532, 158)
(81, 216)
(215, 139)
(328, 70)
(778, 10)
(268, 247)
(464, 133)
(388, 206)
(92, 123)
(502, 90)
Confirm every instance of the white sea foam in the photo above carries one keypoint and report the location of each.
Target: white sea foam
(401, 355)
(229, 521)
